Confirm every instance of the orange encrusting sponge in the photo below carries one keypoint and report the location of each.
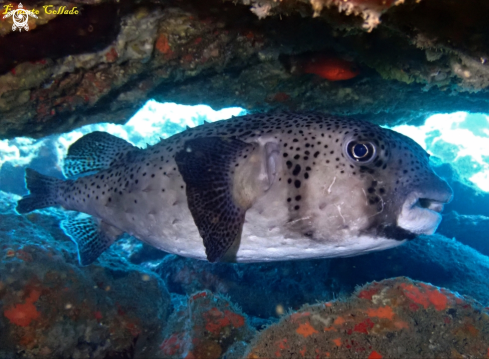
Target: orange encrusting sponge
(23, 314)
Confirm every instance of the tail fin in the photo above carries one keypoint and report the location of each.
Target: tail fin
(42, 192)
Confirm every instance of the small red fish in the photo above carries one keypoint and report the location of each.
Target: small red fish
(329, 68)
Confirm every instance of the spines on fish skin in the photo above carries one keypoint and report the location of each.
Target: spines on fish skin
(42, 192)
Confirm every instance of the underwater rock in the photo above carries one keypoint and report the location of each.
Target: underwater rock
(206, 326)
(284, 284)
(104, 63)
(52, 308)
(394, 318)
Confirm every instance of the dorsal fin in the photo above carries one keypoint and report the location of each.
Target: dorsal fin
(94, 152)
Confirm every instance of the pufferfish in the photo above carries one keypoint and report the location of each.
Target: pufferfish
(256, 188)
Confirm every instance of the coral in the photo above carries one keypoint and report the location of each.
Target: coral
(392, 318)
(261, 10)
(369, 10)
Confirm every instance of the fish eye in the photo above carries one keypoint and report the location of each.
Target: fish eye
(360, 151)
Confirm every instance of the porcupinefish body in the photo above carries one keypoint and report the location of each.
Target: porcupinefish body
(249, 189)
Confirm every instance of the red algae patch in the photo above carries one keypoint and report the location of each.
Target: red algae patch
(23, 314)
(237, 321)
(437, 298)
(383, 312)
(339, 321)
(426, 295)
(415, 295)
(306, 329)
(205, 327)
(364, 326)
(368, 293)
(162, 44)
(394, 318)
(375, 355)
(217, 320)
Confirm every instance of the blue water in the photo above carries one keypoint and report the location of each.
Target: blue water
(461, 139)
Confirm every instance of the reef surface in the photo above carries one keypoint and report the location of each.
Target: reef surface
(390, 62)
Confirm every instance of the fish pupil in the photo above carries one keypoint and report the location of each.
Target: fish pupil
(360, 150)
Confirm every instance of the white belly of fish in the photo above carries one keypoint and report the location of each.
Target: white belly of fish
(170, 227)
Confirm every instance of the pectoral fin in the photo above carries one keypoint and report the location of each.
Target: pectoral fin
(92, 237)
(207, 165)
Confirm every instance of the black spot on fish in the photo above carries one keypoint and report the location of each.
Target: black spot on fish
(297, 170)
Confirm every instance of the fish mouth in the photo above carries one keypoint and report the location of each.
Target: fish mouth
(421, 212)
(430, 204)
